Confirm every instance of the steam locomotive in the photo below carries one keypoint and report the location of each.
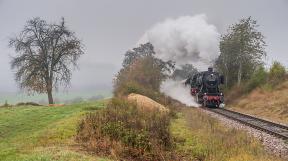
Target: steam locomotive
(205, 87)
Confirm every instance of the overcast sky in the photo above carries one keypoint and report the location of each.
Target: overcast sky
(109, 28)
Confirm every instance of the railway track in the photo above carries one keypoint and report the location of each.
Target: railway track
(278, 130)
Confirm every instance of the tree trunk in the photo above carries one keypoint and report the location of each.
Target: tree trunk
(226, 75)
(226, 80)
(50, 97)
(49, 92)
(239, 74)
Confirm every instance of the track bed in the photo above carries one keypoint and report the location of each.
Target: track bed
(278, 130)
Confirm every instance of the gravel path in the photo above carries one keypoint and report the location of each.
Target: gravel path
(271, 143)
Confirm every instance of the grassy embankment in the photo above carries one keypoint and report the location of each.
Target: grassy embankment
(200, 137)
(271, 103)
(42, 133)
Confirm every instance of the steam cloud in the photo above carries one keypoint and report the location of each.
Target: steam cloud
(185, 40)
(178, 91)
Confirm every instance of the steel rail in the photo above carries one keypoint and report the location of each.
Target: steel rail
(278, 130)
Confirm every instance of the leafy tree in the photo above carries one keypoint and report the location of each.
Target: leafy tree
(184, 71)
(146, 50)
(142, 72)
(46, 55)
(242, 50)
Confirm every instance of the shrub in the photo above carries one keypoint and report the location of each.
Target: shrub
(277, 73)
(259, 78)
(122, 131)
(27, 104)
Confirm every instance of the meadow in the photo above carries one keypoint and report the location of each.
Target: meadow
(43, 133)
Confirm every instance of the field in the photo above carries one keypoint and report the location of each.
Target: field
(48, 133)
(42, 133)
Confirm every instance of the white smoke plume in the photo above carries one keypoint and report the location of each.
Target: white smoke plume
(178, 91)
(185, 40)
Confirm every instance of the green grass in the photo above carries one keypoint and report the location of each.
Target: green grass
(42, 133)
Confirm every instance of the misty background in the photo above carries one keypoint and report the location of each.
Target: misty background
(109, 28)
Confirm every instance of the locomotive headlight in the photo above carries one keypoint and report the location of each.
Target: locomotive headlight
(221, 94)
(205, 94)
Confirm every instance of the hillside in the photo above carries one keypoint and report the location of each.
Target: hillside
(42, 133)
(269, 104)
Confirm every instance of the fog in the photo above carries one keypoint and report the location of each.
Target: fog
(109, 28)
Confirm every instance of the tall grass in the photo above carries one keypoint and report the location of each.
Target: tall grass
(124, 132)
(201, 137)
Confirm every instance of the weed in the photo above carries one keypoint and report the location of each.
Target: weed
(122, 131)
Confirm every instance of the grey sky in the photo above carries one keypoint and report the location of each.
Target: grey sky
(109, 28)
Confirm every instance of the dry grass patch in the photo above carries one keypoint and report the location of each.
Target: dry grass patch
(146, 104)
(270, 104)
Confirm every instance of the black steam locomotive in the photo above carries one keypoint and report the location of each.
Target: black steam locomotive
(205, 87)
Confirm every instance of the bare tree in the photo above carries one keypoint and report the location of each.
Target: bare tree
(46, 55)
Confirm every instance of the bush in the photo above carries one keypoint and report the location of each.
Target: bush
(259, 78)
(277, 73)
(27, 104)
(122, 131)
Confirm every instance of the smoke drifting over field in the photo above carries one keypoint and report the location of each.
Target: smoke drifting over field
(178, 91)
(185, 40)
